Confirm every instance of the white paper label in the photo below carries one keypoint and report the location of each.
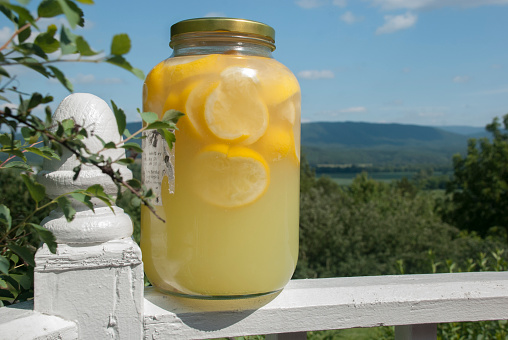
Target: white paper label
(158, 162)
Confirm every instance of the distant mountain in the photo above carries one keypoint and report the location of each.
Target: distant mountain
(355, 134)
(465, 130)
(376, 144)
(379, 144)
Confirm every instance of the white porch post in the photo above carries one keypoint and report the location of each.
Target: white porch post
(96, 277)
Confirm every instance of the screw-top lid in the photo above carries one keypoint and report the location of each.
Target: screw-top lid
(224, 25)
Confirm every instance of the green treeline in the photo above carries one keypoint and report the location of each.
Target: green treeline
(375, 228)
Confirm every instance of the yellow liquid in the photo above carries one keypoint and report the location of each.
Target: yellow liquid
(232, 222)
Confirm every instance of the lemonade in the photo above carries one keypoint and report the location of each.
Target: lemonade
(232, 207)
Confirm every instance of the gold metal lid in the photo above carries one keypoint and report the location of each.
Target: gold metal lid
(224, 25)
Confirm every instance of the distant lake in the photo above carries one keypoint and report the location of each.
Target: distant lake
(347, 178)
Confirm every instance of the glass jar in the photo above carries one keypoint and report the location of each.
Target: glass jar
(229, 189)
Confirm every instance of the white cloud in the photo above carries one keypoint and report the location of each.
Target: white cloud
(394, 23)
(350, 18)
(316, 74)
(354, 109)
(340, 3)
(461, 79)
(308, 4)
(215, 14)
(5, 34)
(432, 4)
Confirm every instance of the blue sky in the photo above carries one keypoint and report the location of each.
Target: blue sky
(425, 62)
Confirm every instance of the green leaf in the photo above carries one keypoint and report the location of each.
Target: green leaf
(5, 216)
(37, 152)
(86, 2)
(168, 136)
(18, 165)
(132, 146)
(121, 121)
(125, 161)
(49, 152)
(83, 198)
(134, 183)
(23, 13)
(121, 44)
(120, 61)
(67, 41)
(172, 116)
(61, 78)
(4, 264)
(110, 145)
(5, 139)
(84, 48)
(15, 152)
(4, 73)
(28, 49)
(96, 190)
(24, 34)
(46, 41)
(23, 280)
(33, 64)
(149, 117)
(3, 284)
(36, 190)
(159, 125)
(72, 12)
(24, 253)
(65, 204)
(49, 9)
(46, 236)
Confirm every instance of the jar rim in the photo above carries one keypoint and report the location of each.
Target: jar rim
(223, 24)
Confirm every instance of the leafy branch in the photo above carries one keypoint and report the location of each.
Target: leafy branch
(40, 50)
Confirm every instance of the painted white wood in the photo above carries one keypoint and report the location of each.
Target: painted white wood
(338, 303)
(416, 332)
(20, 322)
(57, 176)
(96, 276)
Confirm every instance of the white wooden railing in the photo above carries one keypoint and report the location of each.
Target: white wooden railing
(92, 288)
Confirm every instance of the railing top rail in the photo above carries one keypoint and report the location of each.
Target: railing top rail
(336, 303)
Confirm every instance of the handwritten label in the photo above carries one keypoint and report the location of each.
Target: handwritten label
(158, 161)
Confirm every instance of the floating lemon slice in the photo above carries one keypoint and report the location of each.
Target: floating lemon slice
(182, 71)
(154, 89)
(277, 82)
(195, 105)
(235, 111)
(230, 177)
(275, 143)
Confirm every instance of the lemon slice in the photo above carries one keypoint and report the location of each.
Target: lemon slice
(184, 70)
(277, 82)
(154, 89)
(235, 111)
(230, 177)
(195, 105)
(276, 143)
